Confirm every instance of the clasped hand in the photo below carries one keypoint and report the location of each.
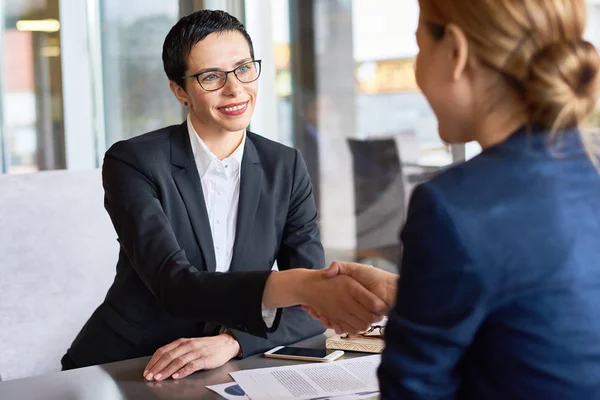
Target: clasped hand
(350, 297)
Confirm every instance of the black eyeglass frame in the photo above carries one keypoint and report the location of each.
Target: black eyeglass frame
(197, 76)
(368, 332)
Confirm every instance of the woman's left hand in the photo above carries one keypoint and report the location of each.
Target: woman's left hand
(186, 356)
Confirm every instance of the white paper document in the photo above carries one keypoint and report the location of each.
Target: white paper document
(233, 391)
(357, 376)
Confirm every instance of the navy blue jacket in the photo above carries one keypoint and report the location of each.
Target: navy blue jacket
(499, 290)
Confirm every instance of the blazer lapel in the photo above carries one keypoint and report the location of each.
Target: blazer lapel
(250, 189)
(190, 188)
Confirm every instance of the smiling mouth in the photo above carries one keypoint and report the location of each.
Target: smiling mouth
(233, 108)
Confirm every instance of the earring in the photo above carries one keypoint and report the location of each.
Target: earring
(185, 103)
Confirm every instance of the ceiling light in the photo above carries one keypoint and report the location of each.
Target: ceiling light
(42, 25)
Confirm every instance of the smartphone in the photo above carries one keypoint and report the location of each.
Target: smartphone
(302, 354)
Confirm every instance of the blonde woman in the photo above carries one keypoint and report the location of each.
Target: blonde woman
(500, 286)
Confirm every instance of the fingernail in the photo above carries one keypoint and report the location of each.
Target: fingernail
(175, 376)
(157, 377)
(149, 377)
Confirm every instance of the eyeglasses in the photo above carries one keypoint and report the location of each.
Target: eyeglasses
(375, 331)
(215, 80)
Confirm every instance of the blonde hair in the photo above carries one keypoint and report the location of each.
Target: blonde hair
(538, 46)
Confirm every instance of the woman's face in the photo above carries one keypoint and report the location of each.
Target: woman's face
(441, 75)
(230, 108)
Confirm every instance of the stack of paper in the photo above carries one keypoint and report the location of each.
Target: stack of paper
(348, 379)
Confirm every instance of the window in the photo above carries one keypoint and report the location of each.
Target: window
(137, 98)
(32, 114)
(347, 98)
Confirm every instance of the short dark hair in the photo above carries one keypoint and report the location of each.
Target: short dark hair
(190, 30)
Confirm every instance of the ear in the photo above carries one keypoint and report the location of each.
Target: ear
(179, 93)
(459, 50)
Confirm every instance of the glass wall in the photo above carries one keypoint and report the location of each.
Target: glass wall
(347, 98)
(136, 91)
(114, 47)
(32, 114)
(341, 70)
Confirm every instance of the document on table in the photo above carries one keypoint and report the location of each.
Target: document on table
(232, 391)
(311, 381)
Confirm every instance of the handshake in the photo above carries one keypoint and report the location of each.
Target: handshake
(349, 297)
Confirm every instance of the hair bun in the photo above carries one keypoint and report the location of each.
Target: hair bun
(561, 88)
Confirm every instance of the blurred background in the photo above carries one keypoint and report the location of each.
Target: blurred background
(78, 75)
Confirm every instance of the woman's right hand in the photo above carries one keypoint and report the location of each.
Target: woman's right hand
(379, 282)
(382, 283)
(347, 305)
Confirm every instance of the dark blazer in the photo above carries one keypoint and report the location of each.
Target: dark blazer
(499, 290)
(166, 286)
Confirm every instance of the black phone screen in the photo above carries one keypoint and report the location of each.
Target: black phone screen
(299, 351)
